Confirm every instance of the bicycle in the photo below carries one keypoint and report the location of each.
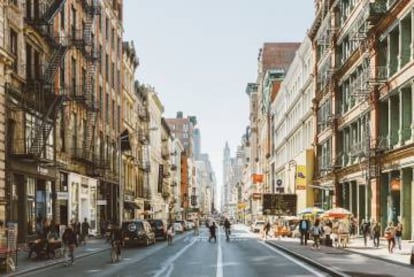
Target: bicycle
(228, 232)
(116, 251)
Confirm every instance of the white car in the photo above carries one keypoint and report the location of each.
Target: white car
(257, 226)
(178, 227)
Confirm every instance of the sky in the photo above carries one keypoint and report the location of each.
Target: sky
(200, 54)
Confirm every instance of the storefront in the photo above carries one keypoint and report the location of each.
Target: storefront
(82, 201)
(32, 191)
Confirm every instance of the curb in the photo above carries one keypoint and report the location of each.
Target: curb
(54, 263)
(61, 260)
(307, 260)
(379, 258)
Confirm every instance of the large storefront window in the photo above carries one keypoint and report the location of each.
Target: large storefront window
(74, 213)
(31, 206)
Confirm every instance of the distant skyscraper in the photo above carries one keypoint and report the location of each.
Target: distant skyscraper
(197, 143)
(226, 177)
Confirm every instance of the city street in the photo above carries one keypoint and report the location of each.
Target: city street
(245, 255)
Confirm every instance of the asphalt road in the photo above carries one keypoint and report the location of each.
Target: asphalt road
(245, 256)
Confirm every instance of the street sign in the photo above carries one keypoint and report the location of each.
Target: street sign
(279, 204)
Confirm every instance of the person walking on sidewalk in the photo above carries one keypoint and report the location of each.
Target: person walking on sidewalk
(316, 232)
(376, 233)
(266, 230)
(365, 230)
(70, 242)
(304, 230)
(389, 235)
(398, 234)
(84, 231)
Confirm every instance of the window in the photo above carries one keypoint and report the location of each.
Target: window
(107, 29)
(100, 100)
(73, 67)
(113, 75)
(73, 25)
(13, 48)
(62, 18)
(107, 108)
(106, 67)
(62, 73)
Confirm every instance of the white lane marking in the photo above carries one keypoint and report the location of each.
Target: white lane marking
(172, 259)
(219, 269)
(299, 263)
(170, 270)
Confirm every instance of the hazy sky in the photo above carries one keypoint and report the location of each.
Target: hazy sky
(200, 54)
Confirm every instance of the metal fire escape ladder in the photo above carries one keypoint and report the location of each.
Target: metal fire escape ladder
(52, 8)
(38, 142)
(91, 11)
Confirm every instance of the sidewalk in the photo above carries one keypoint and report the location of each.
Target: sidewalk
(25, 265)
(402, 256)
(350, 261)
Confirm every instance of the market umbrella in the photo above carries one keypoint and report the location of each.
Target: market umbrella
(336, 213)
(311, 211)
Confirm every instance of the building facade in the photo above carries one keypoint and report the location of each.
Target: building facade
(292, 130)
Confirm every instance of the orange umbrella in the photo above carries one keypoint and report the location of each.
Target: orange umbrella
(336, 213)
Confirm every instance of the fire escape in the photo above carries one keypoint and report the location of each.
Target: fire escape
(39, 97)
(370, 76)
(83, 40)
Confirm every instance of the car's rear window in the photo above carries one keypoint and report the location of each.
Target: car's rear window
(133, 226)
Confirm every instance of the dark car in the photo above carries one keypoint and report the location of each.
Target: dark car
(137, 232)
(159, 227)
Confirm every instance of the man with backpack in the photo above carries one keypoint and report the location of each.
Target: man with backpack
(304, 226)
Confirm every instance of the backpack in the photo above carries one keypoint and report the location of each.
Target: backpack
(303, 225)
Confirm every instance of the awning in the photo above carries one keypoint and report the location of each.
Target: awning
(130, 205)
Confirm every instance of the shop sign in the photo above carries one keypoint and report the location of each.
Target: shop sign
(257, 196)
(241, 206)
(279, 204)
(300, 177)
(62, 195)
(257, 178)
(101, 202)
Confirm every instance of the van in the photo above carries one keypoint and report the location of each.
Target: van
(159, 227)
(137, 232)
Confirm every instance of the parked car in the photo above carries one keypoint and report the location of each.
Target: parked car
(257, 226)
(178, 227)
(137, 232)
(159, 226)
(189, 225)
(182, 222)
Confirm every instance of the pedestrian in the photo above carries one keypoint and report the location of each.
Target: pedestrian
(316, 231)
(327, 230)
(304, 230)
(212, 228)
(84, 231)
(266, 230)
(389, 235)
(376, 233)
(398, 234)
(412, 255)
(365, 230)
(196, 227)
(170, 233)
(70, 242)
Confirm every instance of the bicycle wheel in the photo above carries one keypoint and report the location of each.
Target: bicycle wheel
(10, 264)
(114, 254)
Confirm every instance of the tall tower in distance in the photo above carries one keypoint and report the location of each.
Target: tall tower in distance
(226, 177)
